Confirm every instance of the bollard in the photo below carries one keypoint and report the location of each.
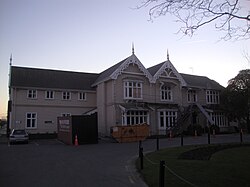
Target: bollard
(181, 139)
(140, 145)
(170, 135)
(241, 135)
(157, 143)
(214, 133)
(162, 173)
(141, 157)
(195, 133)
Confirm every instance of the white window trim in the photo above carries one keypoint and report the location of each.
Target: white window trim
(215, 97)
(85, 96)
(65, 114)
(125, 115)
(170, 92)
(126, 90)
(164, 118)
(50, 91)
(35, 93)
(35, 127)
(69, 95)
(219, 119)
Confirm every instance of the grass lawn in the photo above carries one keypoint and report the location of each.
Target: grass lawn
(228, 167)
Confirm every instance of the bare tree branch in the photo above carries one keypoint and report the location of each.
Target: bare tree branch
(227, 15)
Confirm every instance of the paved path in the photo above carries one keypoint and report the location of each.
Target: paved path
(50, 163)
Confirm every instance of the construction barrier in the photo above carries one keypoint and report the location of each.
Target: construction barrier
(131, 133)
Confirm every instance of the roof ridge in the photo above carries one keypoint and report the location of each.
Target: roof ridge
(54, 70)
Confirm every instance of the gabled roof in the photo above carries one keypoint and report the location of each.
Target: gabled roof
(152, 70)
(157, 70)
(194, 81)
(44, 78)
(105, 75)
(201, 82)
(114, 71)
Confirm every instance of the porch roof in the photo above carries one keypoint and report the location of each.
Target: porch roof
(134, 106)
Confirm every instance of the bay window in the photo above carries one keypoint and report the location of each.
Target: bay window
(133, 117)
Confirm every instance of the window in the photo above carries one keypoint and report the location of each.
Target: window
(167, 119)
(49, 94)
(66, 114)
(132, 117)
(212, 97)
(166, 93)
(219, 119)
(191, 96)
(66, 95)
(32, 94)
(31, 120)
(132, 90)
(81, 96)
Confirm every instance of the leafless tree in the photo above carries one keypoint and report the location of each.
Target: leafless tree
(230, 16)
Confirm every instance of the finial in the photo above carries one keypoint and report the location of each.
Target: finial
(133, 48)
(10, 59)
(167, 55)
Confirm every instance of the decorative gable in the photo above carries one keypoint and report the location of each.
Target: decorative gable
(167, 70)
(168, 73)
(132, 60)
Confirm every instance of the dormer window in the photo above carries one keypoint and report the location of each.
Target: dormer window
(132, 90)
(166, 93)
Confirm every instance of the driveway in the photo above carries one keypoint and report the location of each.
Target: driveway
(51, 163)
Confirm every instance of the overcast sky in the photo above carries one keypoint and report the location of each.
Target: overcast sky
(91, 36)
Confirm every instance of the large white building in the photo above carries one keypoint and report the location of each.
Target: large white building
(124, 94)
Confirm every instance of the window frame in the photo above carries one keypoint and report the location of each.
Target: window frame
(32, 94)
(192, 96)
(66, 95)
(133, 89)
(80, 94)
(166, 94)
(66, 114)
(219, 119)
(33, 120)
(49, 93)
(212, 97)
(133, 117)
(167, 119)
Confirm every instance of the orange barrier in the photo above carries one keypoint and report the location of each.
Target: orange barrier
(131, 133)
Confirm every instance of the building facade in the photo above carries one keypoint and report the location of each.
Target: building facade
(124, 94)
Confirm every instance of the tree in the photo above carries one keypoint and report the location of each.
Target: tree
(229, 16)
(236, 98)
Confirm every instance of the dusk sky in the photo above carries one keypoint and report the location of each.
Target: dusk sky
(91, 36)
